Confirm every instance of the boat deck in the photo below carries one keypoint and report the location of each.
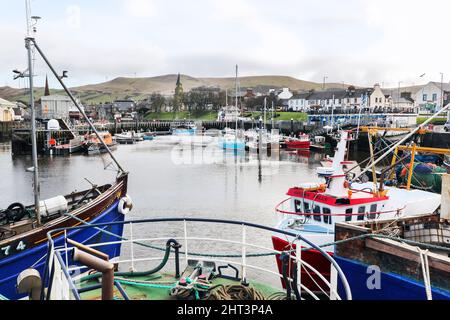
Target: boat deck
(158, 287)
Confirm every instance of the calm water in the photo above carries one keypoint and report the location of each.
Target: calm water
(173, 180)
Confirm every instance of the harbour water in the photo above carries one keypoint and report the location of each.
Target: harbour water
(173, 179)
(167, 179)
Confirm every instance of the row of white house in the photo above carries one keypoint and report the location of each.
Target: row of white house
(429, 98)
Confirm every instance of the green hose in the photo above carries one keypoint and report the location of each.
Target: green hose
(141, 273)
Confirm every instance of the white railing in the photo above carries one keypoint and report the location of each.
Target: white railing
(59, 270)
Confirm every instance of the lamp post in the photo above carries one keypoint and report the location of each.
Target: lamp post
(442, 91)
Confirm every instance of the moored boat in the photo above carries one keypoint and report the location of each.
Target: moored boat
(314, 208)
(94, 146)
(302, 142)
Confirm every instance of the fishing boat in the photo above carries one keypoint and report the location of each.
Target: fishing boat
(23, 229)
(302, 142)
(204, 265)
(184, 130)
(319, 144)
(408, 256)
(314, 208)
(94, 146)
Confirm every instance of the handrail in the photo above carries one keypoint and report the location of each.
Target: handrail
(298, 237)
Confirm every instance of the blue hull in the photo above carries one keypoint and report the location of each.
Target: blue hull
(232, 145)
(36, 257)
(184, 132)
(392, 286)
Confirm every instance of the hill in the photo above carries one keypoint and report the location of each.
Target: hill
(139, 88)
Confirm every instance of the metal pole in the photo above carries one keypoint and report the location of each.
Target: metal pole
(76, 104)
(442, 90)
(36, 187)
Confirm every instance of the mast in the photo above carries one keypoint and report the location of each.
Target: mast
(236, 98)
(28, 45)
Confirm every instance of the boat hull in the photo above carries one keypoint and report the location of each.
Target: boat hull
(313, 257)
(103, 209)
(298, 144)
(232, 145)
(392, 286)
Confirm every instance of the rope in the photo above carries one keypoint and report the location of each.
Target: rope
(423, 254)
(156, 285)
(236, 292)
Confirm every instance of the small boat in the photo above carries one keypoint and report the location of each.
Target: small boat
(184, 130)
(149, 136)
(231, 142)
(302, 142)
(67, 147)
(94, 146)
(128, 137)
(319, 144)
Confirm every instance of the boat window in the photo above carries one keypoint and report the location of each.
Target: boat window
(361, 210)
(326, 216)
(373, 210)
(349, 212)
(316, 210)
(307, 208)
(298, 206)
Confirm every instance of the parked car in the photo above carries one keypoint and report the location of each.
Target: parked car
(447, 126)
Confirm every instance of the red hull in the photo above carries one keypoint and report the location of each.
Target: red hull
(298, 144)
(314, 258)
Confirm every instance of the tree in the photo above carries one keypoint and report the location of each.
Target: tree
(157, 102)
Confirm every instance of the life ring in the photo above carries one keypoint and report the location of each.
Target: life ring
(125, 205)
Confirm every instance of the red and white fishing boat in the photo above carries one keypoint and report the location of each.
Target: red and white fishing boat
(302, 142)
(312, 209)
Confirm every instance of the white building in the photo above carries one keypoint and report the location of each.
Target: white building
(6, 110)
(285, 94)
(429, 98)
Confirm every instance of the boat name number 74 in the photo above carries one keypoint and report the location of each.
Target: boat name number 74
(6, 251)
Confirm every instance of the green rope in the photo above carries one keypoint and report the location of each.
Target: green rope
(143, 284)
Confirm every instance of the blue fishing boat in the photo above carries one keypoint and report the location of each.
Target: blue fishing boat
(184, 130)
(395, 259)
(23, 229)
(231, 142)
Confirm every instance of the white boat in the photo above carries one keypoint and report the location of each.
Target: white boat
(128, 137)
(317, 206)
(312, 209)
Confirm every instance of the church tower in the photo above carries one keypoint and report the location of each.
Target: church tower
(178, 97)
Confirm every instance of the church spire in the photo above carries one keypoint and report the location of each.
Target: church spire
(47, 90)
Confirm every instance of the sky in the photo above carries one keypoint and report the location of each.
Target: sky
(362, 42)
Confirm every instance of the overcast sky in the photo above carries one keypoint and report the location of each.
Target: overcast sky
(359, 42)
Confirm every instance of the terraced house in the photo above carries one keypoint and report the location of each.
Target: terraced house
(350, 98)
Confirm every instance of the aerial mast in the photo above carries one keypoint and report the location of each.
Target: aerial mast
(29, 46)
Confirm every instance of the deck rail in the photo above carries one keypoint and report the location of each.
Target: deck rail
(62, 283)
